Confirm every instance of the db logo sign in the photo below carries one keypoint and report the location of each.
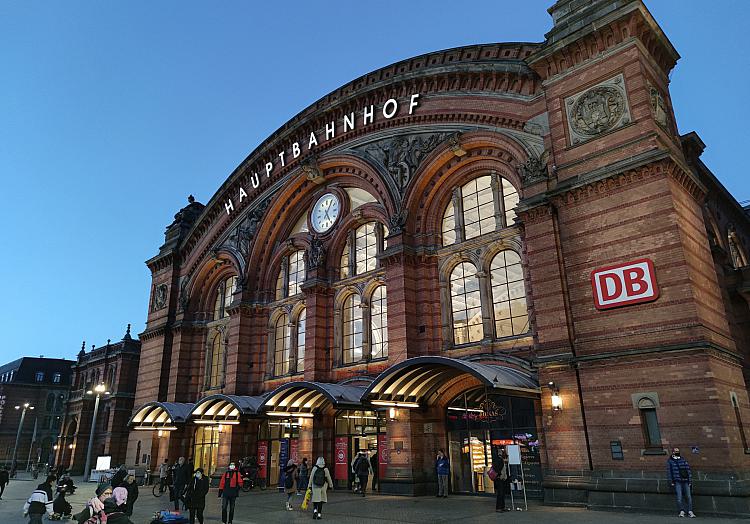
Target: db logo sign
(341, 455)
(624, 284)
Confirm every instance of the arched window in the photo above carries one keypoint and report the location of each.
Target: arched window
(363, 245)
(352, 332)
(480, 206)
(224, 293)
(379, 323)
(301, 320)
(281, 346)
(466, 304)
(649, 423)
(215, 363)
(291, 275)
(508, 295)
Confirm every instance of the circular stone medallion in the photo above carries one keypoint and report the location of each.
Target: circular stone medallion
(598, 110)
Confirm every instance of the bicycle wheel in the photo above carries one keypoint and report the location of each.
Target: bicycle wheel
(247, 485)
(157, 492)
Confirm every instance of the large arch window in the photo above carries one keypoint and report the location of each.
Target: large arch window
(352, 332)
(362, 247)
(482, 205)
(291, 275)
(281, 345)
(224, 293)
(301, 321)
(379, 323)
(508, 294)
(466, 304)
(215, 362)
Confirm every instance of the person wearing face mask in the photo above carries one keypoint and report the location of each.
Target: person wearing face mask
(229, 490)
(679, 474)
(195, 495)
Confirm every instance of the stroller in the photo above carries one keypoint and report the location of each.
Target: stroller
(61, 508)
(169, 517)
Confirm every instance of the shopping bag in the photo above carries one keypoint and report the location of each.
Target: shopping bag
(306, 500)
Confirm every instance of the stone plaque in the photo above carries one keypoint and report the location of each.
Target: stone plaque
(599, 109)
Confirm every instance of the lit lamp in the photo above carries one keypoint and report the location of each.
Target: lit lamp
(26, 406)
(392, 413)
(555, 397)
(99, 390)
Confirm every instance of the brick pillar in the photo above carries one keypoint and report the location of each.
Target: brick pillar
(318, 327)
(324, 432)
(399, 476)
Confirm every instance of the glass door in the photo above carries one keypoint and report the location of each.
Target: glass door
(206, 449)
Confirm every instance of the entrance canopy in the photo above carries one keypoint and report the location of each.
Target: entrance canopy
(302, 397)
(224, 409)
(160, 416)
(412, 382)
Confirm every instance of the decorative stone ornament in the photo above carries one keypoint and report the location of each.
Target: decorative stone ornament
(534, 169)
(160, 297)
(597, 110)
(658, 106)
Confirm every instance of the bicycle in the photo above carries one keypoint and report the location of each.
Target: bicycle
(250, 480)
(159, 489)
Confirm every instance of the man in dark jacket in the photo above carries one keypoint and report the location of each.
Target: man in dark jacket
(229, 490)
(132, 488)
(46, 486)
(362, 469)
(679, 474)
(114, 514)
(4, 480)
(195, 495)
(180, 475)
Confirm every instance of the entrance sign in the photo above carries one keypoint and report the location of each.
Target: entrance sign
(262, 458)
(341, 471)
(624, 284)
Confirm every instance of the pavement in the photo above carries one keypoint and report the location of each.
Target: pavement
(267, 507)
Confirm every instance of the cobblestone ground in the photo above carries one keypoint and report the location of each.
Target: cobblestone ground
(267, 507)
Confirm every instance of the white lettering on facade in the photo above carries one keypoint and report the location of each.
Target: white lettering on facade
(348, 122)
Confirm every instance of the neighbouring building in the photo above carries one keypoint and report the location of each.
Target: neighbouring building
(33, 392)
(492, 245)
(114, 366)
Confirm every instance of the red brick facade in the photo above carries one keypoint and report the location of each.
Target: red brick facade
(581, 126)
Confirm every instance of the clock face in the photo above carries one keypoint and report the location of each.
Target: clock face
(325, 212)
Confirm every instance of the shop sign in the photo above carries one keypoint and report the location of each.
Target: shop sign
(262, 458)
(341, 471)
(624, 284)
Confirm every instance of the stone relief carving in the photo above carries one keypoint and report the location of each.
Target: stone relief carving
(242, 237)
(597, 110)
(534, 169)
(184, 297)
(658, 106)
(160, 297)
(735, 251)
(316, 255)
(397, 222)
(402, 155)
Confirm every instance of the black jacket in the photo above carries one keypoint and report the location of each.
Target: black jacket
(115, 515)
(132, 496)
(118, 479)
(47, 488)
(195, 492)
(4, 477)
(181, 475)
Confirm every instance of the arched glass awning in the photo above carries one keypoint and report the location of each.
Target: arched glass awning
(224, 409)
(302, 398)
(163, 416)
(411, 383)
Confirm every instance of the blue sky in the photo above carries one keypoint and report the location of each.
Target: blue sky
(111, 113)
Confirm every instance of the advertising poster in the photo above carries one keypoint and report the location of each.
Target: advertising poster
(294, 450)
(341, 470)
(262, 458)
(283, 459)
(382, 455)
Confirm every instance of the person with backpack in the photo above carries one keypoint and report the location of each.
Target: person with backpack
(195, 495)
(37, 505)
(290, 481)
(363, 470)
(321, 481)
(229, 490)
(443, 469)
(498, 474)
(679, 474)
(304, 476)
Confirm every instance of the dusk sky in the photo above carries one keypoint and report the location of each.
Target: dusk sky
(112, 113)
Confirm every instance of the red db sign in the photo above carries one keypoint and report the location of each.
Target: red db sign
(624, 284)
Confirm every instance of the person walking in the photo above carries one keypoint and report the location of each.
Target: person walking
(46, 486)
(363, 470)
(163, 473)
(443, 469)
(4, 480)
(374, 466)
(500, 482)
(38, 504)
(320, 478)
(180, 477)
(118, 479)
(679, 474)
(229, 490)
(132, 487)
(290, 481)
(304, 476)
(195, 495)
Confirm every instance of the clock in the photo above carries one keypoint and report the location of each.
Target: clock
(325, 212)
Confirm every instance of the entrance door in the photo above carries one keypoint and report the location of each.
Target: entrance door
(206, 448)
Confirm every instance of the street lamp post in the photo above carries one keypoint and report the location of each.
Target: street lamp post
(98, 389)
(18, 434)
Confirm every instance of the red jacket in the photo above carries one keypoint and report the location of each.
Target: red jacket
(230, 484)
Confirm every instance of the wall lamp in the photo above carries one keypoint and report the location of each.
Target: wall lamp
(555, 397)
